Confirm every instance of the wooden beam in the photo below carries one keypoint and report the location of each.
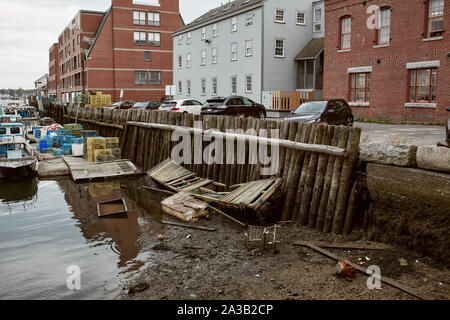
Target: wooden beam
(334, 151)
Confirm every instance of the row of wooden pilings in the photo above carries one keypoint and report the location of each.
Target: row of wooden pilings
(319, 186)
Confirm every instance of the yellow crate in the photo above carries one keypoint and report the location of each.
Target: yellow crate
(103, 152)
(95, 141)
(96, 146)
(112, 140)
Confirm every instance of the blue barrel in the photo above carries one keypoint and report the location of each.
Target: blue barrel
(37, 133)
(42, 145)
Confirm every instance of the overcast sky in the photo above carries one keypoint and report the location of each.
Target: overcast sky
(29, 27)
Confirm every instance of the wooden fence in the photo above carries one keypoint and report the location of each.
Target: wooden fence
(290, 100)
(316, 162)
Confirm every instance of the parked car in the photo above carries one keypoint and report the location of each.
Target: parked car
(183, 106)
(334, 112)
(234, 106)
(148, 105)
(122, 105)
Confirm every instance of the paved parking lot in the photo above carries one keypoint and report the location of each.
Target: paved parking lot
(402, 134)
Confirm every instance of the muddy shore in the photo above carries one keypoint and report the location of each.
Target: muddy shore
(196, 265)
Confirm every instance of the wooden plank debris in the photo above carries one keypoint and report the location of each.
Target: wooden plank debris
(80, 169)
(190, 226)
(185, 207)
(387, 280)
(345, 245)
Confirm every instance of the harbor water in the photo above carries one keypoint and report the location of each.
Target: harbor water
(48, 227)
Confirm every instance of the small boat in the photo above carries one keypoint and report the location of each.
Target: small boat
(17, 158)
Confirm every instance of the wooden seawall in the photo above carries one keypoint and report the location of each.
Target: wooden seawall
(317, 162)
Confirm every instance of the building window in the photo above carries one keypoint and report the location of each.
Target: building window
(203, 87)
(180, 62)
(214, 56)
(188, 87)
(215, 30)
(139, 37)
(435, 25)
(234, 85)
(214, 86)
(140, 77)
(234, 52)
(248, 83)
(234, 24)
(154, 38)
(360, 87)
(180, 39)
(148, 56)
(279, 48)
(346, 31)
(249, 19)
(189, 38)
(317, 20)
(180, 87)
(279, 16)
(188, 60)
(154, 19)
(155, 77)
(139, 18)
(203, 58)
(384, 33)
(301, 18)
(203, 33)
(423, 85)
(248, 48)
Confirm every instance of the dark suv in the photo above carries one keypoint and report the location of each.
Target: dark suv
(234, 106)
(122, 105)
(334, 112)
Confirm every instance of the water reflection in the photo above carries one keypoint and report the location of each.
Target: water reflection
(59, 226)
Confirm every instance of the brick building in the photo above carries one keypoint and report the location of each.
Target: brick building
(390, 63)
(128, 47)
(53, 67)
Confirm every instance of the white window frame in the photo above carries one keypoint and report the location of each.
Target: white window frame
(140, 41)
(150, 78)
(214, 55)
(203, 85)
(156, 21)
(156, 39)
(283, 48)
(214, 83)
(297, 18)
(345, 33)
(180, 87)
(180, 62)
(234, 86)
(249, 19)
(215, 30)
(188, 60)
(248, 76)
(319, 21)
(140, 21)
(234, 51)
(180, 39)
(385, 24)
(189, 38)
(277, 16)
(203, 58)
(234, 24)
(188, 88)
(248, 48)
(140, 82)
(203, 35)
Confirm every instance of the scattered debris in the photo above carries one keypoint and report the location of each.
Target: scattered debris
(140, 287)
(346, 246)
(345, 269)
(185, 207)
(387, 280)
(403, 262)
(261, 236)
(112, 207)
(161, 237)
(191, 226)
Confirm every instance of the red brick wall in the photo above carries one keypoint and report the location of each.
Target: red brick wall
(118, 57)
(389, 78)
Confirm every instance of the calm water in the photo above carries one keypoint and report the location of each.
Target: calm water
(47, 226)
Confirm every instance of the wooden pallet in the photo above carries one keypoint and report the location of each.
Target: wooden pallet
(251, 195)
